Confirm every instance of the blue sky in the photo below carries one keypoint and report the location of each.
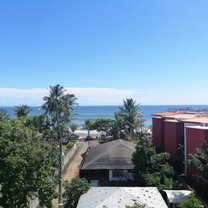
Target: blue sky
(104, 51)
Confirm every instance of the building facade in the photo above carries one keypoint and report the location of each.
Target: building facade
(170, 130)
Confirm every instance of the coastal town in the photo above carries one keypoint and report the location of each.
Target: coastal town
(103, 104)
(107, 163)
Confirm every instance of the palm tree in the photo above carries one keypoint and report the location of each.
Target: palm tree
(69, 100)
(88, 126)
(131, 118)
(22, 110)
(59, 106)
(54, 105)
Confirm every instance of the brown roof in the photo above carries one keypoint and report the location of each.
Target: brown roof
(116, 154)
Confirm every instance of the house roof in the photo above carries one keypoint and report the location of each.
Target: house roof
(177, 196)
(119, 197)
(116, 154)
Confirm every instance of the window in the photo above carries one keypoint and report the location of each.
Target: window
(119, 173)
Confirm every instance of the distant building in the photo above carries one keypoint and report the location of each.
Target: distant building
(119, 197)
(171, 129)
(110, 161)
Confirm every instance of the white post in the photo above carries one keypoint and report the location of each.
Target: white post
(185, 150)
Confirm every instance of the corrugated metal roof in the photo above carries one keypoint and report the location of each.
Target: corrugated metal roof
(119, 197)
(116, 154)
(177, 196)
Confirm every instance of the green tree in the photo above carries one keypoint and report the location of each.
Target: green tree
(69, 100)
(58, 106)
(88, 125)
(103, 126)
(25, 169)
(199, 163)
(54, 103)
(192, 202)
(130, 118)
(3, 115)
(150, 168)
(22, 110)
(73, 127)
(73, 190)
(117, 127)
(53, 106)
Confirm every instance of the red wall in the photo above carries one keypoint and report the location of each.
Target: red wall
(173, 136)
(158, 133)
(170, 137)
(194, 139)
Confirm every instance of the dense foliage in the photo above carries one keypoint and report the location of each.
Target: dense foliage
(29, 150)
(127, 123)
(192, 202)
(199, 164)
(150, 168)
(27, 165)
(73, 190)
(58, 105)
(130, 119)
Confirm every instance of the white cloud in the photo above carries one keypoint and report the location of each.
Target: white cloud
(104, 96)
(86, 96)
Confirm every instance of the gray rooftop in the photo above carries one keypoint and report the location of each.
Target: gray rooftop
(116, 154)
(119, 197)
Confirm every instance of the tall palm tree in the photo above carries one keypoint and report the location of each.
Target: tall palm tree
(53, 102)
(22, 110)
(59, 106)
(53, 106)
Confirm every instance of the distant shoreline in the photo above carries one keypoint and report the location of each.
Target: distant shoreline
(82, 113)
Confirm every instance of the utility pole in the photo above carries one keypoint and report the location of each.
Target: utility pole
(60, 166)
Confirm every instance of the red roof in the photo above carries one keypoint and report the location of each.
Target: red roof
(168, 113)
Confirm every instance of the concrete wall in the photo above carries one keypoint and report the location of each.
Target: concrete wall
(68, 155)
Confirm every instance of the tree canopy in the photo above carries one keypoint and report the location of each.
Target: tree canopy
(192, 202)
(150, 168)
(25, 166)
(129, 118)
(199, 163)
(22, 110)
(73, 190)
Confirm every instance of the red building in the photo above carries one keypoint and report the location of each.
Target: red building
(171, 129)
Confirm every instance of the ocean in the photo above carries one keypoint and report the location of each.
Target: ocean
(81, 113)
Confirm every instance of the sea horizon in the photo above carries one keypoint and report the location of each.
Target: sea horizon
(84, 112)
